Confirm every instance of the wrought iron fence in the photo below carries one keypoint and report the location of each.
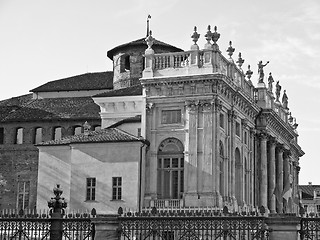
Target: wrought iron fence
(37, 226)
(192, 224)
(310, 228)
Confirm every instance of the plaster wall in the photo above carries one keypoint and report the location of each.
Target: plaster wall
(72, 165)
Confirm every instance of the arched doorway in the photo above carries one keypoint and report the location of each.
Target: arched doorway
(170, 169)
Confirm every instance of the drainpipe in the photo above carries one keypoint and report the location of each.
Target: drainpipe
(145, 143)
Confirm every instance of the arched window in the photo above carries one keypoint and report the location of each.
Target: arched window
(170, 169)
(57, 133)
(37, 135)
(221, 169)
(19, 136)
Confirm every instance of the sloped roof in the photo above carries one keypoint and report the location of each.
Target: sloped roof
(17, 110)
(142, 42)
(87, 81)
(308, 190)
(135, 90)
(99, 136)
(134, 119)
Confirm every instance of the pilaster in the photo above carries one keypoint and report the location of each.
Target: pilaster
(191, 176)
(263, 170)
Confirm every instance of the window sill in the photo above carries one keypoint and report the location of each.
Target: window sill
(116, 200)
(91, 201)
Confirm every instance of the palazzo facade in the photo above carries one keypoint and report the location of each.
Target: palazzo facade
(215, 139)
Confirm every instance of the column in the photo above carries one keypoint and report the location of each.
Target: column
(207, 148)
(279, 180)
(272, 176)
(287, 191)
(263, 171)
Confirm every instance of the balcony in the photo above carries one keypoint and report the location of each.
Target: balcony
(166, 203)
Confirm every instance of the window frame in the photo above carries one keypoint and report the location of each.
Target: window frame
(116, 188)
(35, 137)
(18, 138)
(171, 121)
(91, 185)
(24, 193)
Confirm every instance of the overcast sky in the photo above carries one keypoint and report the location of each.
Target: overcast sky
(45, 40)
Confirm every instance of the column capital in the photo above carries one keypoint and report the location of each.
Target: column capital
(263, 135)
(272, 140)
(244, 122)
(192, 106)
(232, 115)
(207, 105)
(217, 104)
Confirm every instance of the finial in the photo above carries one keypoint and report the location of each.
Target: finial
(149, 17)
(86, 128)
(208, 37)
(240, 60)
(230, 49)
(149, 40)
(249, 73)
(57, 203)
(270, 82)
(195, 36)
(208, 34)
(215, 35)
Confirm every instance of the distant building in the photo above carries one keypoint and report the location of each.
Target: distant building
(179, 129)
(310, 198)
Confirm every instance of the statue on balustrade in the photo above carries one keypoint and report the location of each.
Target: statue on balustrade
(285, 100)
(278, 89)
(260, 71)
(270, 82)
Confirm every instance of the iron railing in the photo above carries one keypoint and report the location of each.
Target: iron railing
(37, 226)
(310, 228)
(192, 224)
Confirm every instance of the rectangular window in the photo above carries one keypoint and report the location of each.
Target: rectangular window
(221, 120)
(171, 116)
(1, 135)
(57, 133)
(116, 188)
(23, 195)
(318, 208)
(91, 189)
(238, 129)
(38, 135)
(19, 136)
(245, 137)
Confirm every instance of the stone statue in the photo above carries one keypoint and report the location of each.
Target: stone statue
(270, 82)
(285, 100)
(278, 89)
(260, 71)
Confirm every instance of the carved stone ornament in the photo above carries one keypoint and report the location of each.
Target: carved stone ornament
(149, 107)
(192, 106)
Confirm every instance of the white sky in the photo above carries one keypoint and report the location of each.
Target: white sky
(45, 40)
